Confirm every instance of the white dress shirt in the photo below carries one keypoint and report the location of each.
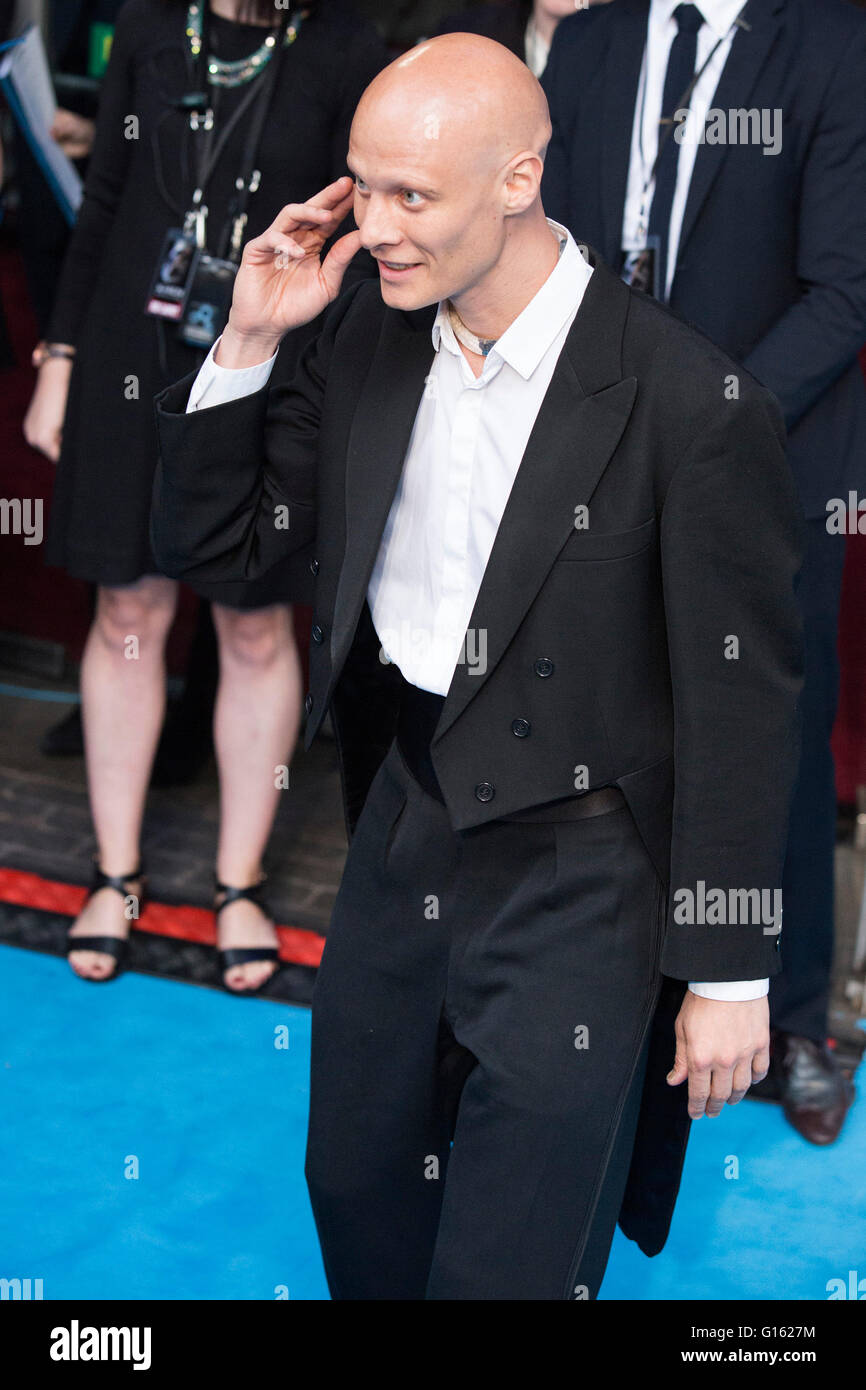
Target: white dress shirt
(719, 16)
(535, 48)
(466, 445)
(469, 436)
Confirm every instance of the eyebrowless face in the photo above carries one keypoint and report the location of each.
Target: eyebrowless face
(447, 149)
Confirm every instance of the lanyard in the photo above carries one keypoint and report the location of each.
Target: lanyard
(210, 145)
(667, 122)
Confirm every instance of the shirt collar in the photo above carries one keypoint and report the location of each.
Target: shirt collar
(527, 339)
(718, 14)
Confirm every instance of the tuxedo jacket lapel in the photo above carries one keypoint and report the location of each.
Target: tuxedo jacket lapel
(378, 441)
(582, 417)
(581, 420)
(749, 51)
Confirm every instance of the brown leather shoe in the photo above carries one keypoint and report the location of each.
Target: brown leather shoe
(815, 1095)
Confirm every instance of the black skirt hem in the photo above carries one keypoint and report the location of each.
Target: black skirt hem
(288, 582)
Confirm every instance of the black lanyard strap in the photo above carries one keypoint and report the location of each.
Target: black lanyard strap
(210, 145)
(667, 123)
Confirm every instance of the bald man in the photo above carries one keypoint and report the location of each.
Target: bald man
(555, 541)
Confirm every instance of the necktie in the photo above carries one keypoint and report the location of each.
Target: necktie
(681, 70)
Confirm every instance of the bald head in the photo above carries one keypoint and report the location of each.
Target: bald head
(447, 149)
(472, 95)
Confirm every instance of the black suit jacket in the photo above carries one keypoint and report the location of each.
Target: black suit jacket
(772, 257)
(610, 640)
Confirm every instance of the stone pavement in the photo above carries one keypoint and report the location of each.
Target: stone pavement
(45, 825)
(45, 828)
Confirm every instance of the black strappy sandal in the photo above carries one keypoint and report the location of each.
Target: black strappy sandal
(244, 955)
(114, 946)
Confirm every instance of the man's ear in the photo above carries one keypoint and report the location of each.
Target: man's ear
(523, 182)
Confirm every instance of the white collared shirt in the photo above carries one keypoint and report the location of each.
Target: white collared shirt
(535, 48)
(467, 442)
(466, 446)
(719, 16)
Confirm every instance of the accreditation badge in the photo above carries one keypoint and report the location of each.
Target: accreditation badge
(208, 302)
(172, 277)
(640, 268)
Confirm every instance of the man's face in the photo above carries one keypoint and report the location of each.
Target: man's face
(428, 216)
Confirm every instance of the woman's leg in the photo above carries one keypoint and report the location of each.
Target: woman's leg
(256, 721)
(122, 705)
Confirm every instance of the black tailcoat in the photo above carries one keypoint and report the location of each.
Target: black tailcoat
(615, 641)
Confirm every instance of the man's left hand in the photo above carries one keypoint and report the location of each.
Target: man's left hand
(722, 1048)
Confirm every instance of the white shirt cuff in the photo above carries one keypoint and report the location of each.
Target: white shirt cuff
(215, 385)
(733, 991)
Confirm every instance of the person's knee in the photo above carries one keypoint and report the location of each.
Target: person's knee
(254, 639)
(136, 617)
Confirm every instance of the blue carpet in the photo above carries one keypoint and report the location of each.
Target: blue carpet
(793, 1219)
(187, 1084)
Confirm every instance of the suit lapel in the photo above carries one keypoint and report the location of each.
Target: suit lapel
(378, 440)
(581, 420)
(621, 81)
(749, 51)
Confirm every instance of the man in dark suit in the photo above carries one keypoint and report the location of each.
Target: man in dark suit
(756, 213)
(555, 625)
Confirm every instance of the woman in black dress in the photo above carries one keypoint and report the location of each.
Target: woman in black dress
(92, 410)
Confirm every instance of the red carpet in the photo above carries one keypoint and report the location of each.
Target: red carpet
(297, 945)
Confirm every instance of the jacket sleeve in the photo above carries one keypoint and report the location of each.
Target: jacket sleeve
(235, 485)
(106, 176)
(732, 538)
(819, 336)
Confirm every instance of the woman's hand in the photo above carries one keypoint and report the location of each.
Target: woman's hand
(282, 283)
(74, 134)
(43, 423)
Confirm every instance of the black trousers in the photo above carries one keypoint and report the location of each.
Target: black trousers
(799, 994)
(479, 1031)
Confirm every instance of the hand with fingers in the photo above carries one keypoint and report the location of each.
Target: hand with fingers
(282, 282)
(722, 1048)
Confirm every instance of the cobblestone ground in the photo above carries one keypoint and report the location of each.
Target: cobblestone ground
(45, 825)
(45, 828)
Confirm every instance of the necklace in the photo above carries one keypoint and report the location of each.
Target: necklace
(234, 74)
(464, 335)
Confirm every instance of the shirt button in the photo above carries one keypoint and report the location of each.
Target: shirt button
(316, 632)
(308, 703)
(544, 666)
(485, 791)
(314, 567)
(520, 727)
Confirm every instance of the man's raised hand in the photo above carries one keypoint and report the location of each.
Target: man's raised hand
(282, 282)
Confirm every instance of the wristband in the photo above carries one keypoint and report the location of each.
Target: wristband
(43, 351)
